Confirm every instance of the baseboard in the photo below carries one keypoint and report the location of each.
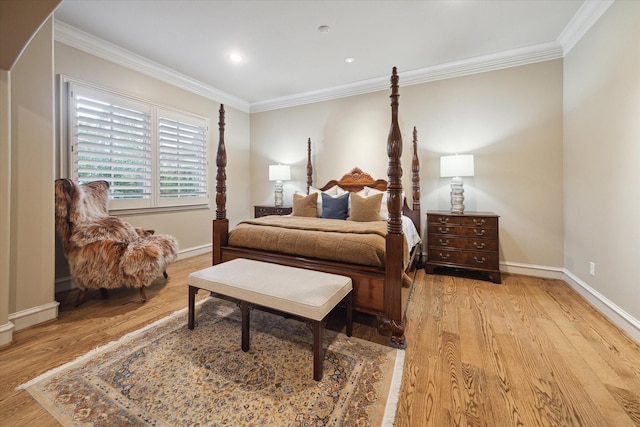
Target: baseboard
(615, 314)
(34, 315)
(6, 333)
(191, 252)
(532, 270)
(64, 284)
(619, 317)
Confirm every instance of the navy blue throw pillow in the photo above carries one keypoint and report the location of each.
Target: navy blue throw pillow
(335, 207)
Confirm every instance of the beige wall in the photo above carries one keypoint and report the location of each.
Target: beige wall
(192, 228)
(511, 120)
(31, 237)
(6, 327)
(601, 157)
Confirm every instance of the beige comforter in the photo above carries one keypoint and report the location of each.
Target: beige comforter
(361, 243)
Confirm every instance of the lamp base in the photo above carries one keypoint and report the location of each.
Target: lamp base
(457, 195)
(279, 195)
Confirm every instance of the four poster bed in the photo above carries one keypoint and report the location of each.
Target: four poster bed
(335, 245)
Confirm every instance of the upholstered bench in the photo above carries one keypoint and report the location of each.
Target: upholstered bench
(305, 293)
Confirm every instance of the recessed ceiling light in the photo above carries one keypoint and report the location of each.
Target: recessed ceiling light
(324, 29)
(236, 57)
(349, 60)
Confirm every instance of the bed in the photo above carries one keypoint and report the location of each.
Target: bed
(378, 279)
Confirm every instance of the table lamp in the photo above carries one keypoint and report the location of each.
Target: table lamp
(279, 173)
(456, 166)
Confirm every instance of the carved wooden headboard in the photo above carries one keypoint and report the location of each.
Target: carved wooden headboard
(355, 181)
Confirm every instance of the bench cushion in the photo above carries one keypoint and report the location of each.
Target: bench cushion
(306, 293)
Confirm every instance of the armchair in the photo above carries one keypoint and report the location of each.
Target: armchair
(105, 252)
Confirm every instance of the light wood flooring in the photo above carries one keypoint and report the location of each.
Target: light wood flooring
(529, 352)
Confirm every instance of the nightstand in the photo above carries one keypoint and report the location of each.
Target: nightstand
(466, 241)
(264, 210)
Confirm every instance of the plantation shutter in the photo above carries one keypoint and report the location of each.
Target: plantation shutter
(183, 161)
(151, 155)
(111, 140)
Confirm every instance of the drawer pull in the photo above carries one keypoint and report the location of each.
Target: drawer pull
(478, 221)
(479, 261)
(444, 256)
(443, 230)
(479, 245)
(444, 242)
(443, 220)
(479, 232)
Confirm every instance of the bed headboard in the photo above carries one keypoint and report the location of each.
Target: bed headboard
(355, 181)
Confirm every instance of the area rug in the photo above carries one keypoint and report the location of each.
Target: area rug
(167, 375)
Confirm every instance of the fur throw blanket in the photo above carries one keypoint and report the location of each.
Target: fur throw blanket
(104, 251)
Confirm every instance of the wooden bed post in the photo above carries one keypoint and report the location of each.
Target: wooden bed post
(309, 166)
(221, 223)
(393, 319)
(415, 178)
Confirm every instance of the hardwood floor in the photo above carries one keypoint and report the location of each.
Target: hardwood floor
(528, 352)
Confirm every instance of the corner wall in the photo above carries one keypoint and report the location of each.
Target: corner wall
(601, 164)
(31, 270)
(6, 327)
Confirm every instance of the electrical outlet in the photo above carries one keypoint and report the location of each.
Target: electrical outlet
(592, 268)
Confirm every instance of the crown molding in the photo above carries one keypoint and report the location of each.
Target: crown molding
(582, 21)
(481, 64)
(81, 40)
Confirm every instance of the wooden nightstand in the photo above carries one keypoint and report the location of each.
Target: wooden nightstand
(466, 241)
(264, 210)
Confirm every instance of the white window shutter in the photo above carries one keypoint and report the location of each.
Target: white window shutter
(152, 156)
(183, 162)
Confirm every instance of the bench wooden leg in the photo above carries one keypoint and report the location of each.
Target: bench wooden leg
(317, 350)
(245, 310)
(192, 306)
(349, 314)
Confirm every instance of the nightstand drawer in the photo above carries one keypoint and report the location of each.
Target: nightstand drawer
(465, 221)
(452, 242)
(264, 210)
(453, 230)
(462, 259)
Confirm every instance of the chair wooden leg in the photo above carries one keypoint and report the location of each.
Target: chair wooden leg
(81, 296)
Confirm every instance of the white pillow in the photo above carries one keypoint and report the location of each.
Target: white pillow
(334, 191)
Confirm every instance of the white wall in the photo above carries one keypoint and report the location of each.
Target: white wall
(601, 160)
(511, 120)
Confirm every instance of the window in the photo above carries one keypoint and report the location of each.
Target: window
(152, 156)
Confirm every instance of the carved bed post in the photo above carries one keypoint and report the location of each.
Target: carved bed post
(221, 223)
(395, 240)
(309, 166)
(415, 178)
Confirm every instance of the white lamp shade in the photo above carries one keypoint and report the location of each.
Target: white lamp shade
(279, 172)
(456, 165)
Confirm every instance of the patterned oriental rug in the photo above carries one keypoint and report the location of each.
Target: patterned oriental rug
(167, 375)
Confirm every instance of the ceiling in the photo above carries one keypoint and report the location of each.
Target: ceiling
(286, 56)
